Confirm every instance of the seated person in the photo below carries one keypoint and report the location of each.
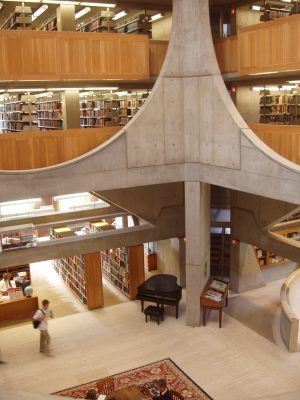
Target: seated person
(5, 283)
(164, 392)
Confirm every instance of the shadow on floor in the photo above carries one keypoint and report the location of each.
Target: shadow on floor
(256, 317)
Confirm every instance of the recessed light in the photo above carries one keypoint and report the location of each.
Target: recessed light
(157, 16)
(39, 12)
(120, 15)
(103, 5)
(82, 12)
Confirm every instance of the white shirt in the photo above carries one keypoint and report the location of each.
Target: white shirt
(4, 285)
(43, 326)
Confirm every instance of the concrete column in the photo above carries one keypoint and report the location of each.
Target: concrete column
(65, 14)
(245, 273)
(71, 109)
(197, 227)
(182, 265)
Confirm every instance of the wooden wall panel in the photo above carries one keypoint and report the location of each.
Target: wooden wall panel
(271, 46)
(106, 57)
(157, 53)
(227, 54)
(29, 150)
(73, 55)
(40, 54)
(93, 279)
(284, 139)
(292, 32)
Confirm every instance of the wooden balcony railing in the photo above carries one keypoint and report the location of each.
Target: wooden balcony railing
(30, 150)
(284, 139)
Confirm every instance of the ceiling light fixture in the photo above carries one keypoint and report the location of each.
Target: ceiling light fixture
(82, 12)
(120, 15)
(157, 16)
(67, 2)
(103, 5)
(23, 1)
(288, 87)
(101, 88)
(258, 88)
(255, 7)
(62, 89)
(25, 90)
(294, 81)
(39, 12)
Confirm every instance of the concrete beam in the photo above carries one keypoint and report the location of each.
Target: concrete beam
(62, 217)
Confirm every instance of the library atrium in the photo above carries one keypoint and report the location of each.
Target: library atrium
(150, 199)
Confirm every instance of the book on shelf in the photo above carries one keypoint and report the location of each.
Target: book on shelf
(49, 112)
(18, 113)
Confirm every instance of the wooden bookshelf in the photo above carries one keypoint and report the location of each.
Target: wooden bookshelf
(91, 25)
(21, 18)
(97, 111)
(272, 13)
(124, 268)
(139, 24)
(268, 259)
(18, 113)
(50, 25)
(49, 112)
(80, 272)
(283, 109)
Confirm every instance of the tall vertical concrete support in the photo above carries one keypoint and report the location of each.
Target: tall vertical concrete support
(65, 14)
(197, 227)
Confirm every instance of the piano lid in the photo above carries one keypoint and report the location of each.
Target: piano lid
(160, 283)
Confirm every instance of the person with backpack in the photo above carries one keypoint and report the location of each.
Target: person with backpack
(40, 321)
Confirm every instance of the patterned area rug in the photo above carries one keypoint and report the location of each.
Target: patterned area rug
(144, 378)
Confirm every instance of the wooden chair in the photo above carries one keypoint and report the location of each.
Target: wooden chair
(105, 386)
(176, 395)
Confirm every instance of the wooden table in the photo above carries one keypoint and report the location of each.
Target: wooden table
(209, 304)
(129, 393)
(18, 308)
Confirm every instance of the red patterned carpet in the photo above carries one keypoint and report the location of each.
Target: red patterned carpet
(144, 378)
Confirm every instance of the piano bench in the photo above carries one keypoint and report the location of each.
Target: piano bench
(156, 313)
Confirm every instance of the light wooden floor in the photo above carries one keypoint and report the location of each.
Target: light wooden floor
(232, 363)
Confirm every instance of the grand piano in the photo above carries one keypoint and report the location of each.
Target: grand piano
(161, 289)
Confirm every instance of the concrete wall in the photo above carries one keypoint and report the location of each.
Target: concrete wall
(247, 103)
(246, 17)
(168, 257)
(161, 29)
(245, 273)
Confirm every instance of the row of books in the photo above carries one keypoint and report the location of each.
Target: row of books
(53, 114)
(46, 123)
(49, 105)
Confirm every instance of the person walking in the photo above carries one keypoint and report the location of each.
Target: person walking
(42, 316)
